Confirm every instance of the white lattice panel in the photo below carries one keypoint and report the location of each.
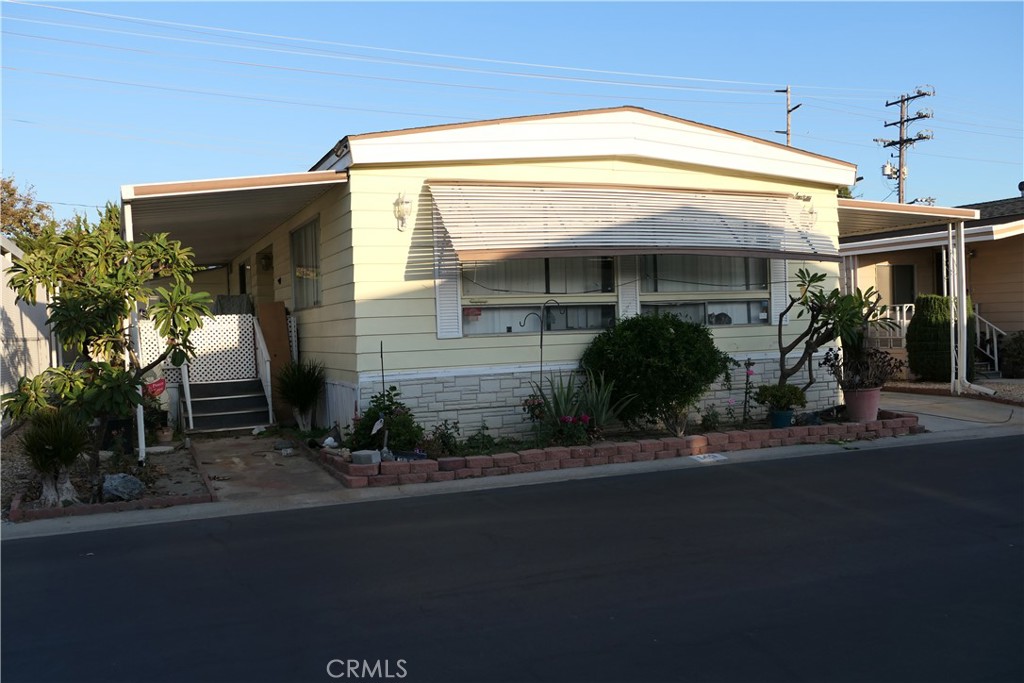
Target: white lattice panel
(225, 350)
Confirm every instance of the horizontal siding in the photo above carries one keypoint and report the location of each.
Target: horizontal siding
(378, 280)
(996, 279)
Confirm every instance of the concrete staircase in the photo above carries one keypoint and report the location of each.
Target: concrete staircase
(224, 406)
(984, 370)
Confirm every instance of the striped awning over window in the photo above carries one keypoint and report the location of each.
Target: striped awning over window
(499, 221)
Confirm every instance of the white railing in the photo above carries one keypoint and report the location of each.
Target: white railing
(987, 338)
(263, 367)
(892, 338)
(188, 394)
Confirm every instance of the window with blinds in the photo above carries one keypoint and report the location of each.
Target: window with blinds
(306, 275)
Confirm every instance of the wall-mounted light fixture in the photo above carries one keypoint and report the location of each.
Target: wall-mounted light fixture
(403, 207)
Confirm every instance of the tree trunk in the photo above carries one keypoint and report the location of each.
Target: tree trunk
(303, 419)
(65, 489)
(95, 478)
(49, 498)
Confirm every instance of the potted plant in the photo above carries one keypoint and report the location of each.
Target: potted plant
(861, 373)
(780, 400)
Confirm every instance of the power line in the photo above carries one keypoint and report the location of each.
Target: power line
(419, 65)
(435, 55)
(343, 74)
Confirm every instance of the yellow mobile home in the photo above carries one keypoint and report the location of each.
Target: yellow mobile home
(452, 248)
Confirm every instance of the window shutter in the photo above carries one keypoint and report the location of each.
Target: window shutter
(447, 291)
(780, 290)
(628, 287)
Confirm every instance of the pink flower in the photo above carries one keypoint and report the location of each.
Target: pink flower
(584, 418)
(749, 372)
(567, 419)
(732, 401)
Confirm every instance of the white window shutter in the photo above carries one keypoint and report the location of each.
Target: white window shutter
(447, 287)
(628, 287)
(779, 290)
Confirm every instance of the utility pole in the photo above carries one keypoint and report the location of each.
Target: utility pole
(903, 142)
(789, 112)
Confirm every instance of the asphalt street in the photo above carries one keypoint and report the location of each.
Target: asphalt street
(901, 564)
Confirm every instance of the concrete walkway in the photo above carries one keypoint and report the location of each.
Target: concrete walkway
(292, 482)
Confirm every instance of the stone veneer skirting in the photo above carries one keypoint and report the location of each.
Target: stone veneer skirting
(494, 396)
(397, 473)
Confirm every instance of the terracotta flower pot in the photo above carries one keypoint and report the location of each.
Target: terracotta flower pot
(164, 435)
(862, 404)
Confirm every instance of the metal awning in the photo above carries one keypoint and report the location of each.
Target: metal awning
(861, 217)
(495, 221)
(219, 218)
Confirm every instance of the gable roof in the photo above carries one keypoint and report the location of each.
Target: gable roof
(630, 132)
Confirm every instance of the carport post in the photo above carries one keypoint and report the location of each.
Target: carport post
(140, 424)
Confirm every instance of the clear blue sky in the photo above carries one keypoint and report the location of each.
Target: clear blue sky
(96, 95)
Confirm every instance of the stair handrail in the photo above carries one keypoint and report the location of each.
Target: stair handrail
(263, 367)
(991, 335)
(186, 387)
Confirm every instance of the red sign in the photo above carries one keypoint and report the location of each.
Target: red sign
(156, 388)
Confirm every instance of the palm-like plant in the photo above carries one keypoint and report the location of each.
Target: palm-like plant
(300, 385)
(53, 441)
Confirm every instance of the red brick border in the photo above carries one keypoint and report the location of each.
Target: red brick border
(554, 458)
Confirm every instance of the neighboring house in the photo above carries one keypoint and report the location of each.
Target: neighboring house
(904, 263)
(28, 348)
(429, 258)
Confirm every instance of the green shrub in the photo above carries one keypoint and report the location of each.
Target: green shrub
(780, 396)
(1011, 355)
(665, 362)
(928, 349)
(443, 440)
(404, 434)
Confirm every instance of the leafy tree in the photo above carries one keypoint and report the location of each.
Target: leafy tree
(665, 362)
(93, 278)
(22, 215)
(829, 316)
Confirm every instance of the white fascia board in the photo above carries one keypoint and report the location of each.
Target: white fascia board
(610, 134)
(986, 233)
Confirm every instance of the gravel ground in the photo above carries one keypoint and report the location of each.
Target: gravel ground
(1007, 390)
(171, 474)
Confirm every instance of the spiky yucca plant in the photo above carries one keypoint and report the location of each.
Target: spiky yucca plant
(300, 385)
(53, 441)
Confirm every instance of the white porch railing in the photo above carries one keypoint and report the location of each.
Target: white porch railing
(987, 338)
(894, 338)
(263, 367)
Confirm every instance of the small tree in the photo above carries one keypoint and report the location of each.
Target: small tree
(666, 363)
(829, 316)
(93, 278)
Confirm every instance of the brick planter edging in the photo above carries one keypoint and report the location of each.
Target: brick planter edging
(554, 458)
